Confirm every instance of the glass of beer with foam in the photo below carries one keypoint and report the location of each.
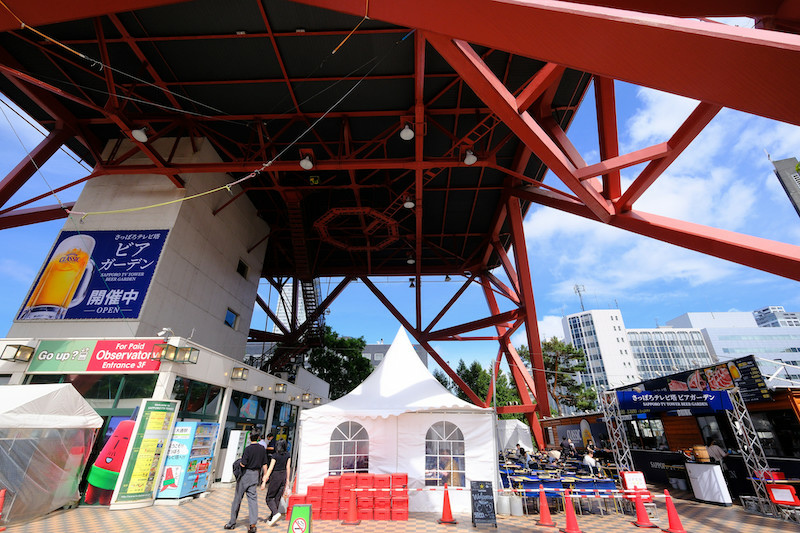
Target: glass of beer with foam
(64, 282)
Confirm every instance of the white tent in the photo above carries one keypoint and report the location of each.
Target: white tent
(46, 435)
(397, 405)
(512, 432)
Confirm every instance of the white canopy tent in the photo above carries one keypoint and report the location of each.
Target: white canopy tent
(512, 432)
(397, 405)
(46, 435)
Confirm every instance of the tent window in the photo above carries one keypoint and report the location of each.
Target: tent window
(444, 455)
(349, 450)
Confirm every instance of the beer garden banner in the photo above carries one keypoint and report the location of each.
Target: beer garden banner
(95, 274)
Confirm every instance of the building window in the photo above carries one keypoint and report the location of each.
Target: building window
(349, 449)
(231, 319)
(242, 269)
(444, 455)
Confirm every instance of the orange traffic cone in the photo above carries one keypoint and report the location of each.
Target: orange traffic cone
(642, 520)
(2, 501)
(675, 525)
(352, 512)
(447, 515)
(572, 520)
(544, 510)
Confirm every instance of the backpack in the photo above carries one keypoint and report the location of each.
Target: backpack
(238, 470)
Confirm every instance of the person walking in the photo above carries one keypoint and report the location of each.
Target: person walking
(253, 462)
(278, 474)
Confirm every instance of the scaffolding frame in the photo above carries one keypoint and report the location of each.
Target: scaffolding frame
(616, 431)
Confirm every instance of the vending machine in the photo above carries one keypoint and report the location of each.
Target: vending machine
(188, 464)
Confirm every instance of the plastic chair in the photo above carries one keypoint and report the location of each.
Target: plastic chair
(607, 487)
(584, 487)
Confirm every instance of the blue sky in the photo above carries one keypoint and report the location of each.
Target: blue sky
(724, 180)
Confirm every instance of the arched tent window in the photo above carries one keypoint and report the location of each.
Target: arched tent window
(444, 455)
(349, 449)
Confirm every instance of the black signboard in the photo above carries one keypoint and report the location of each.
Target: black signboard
(742, 372)
(482, 503)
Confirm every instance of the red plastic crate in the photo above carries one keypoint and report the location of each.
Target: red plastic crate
(329, 514)
(399, 480)
(399, 493)
(383, 503)
(365, 481)
(399, 514)
(332, 481)
(344, 499)
(314, 502)
(365, 501)
(400, 503)
(330, 493)
(330, 503)
(347, 480)
(365, 514)
(297, 499)
(343, 514)
(382, 514)
(314, 491)
(316, 513)
(382, 481)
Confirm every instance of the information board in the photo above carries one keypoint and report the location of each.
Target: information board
(482, 503)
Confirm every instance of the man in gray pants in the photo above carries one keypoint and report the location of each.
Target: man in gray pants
(254, 460)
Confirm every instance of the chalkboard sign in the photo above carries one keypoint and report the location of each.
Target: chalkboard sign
(482, 503)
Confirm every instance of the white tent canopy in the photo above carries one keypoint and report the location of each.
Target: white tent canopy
(53, 406)
(397, 405)
(512, 432)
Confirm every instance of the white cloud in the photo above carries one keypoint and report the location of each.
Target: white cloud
(16, 271)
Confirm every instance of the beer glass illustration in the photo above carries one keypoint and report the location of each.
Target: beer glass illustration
(64, 282)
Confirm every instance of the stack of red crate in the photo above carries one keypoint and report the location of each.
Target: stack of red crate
(294, 499)
(365, 497)
(347, 482)
(399, 498)
(314, 499)
(383, 484)
(330, 498)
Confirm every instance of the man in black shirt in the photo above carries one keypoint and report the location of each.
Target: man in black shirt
(254, 461)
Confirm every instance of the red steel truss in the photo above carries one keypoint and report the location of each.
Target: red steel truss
(637, 41)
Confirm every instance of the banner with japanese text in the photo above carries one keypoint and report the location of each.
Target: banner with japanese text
(95, 356)
(652, 401)
(95, 274)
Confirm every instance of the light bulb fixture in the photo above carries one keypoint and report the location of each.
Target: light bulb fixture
(140, 134)
(164, 352)
(306, 163)
(411, 283)
(239, 373)
(410, 260)
(307, 397)
(470, 158)
(409, 203)
(187, 354)
(317, 401)
(280, 388)
(164, 331)
(407, 133)
(19, 353)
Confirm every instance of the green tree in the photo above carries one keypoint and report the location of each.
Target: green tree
(561, 363)
(443, 378)
(479, 379)
(339, 362)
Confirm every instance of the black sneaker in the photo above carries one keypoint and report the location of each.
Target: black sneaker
(229, 526)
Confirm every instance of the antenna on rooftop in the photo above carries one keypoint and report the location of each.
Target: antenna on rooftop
(579, 289)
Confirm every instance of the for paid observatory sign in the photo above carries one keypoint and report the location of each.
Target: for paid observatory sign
(95, 356)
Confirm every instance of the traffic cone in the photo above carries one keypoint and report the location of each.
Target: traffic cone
(675, 525)
(642, 520)
(572, 520)
(352, 512)
(544, 510)
(447, 515)
(2, 501)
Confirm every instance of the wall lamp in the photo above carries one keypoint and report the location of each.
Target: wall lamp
(317, 401)
(168, 352)
(239, 373)
(307, 397)
(17, 352)
(280, 387)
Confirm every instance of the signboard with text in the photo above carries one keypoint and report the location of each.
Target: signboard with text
(96, 356)
(652, 401)
(95, 274)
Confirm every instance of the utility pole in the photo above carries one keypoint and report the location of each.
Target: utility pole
(579, 289)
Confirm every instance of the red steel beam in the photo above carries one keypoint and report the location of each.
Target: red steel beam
(763, 254)
(649, 50)
(493, 320)
(605, 103)
(34, 215)
(31, 163)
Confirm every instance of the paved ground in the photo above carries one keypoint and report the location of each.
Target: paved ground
(211, 512)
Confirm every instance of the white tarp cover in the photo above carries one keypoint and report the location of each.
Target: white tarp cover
(46, 436)
(397, 404)
(512, 432)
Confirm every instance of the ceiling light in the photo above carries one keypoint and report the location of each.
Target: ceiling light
(470, 158)
(306, 163)
(409, 203)
(407, 133)
(410, 260)
(140, 134)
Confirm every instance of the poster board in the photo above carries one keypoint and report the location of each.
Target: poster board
(482, 499)
(144, 459)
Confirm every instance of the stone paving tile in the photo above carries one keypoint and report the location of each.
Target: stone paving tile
(211, 512)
